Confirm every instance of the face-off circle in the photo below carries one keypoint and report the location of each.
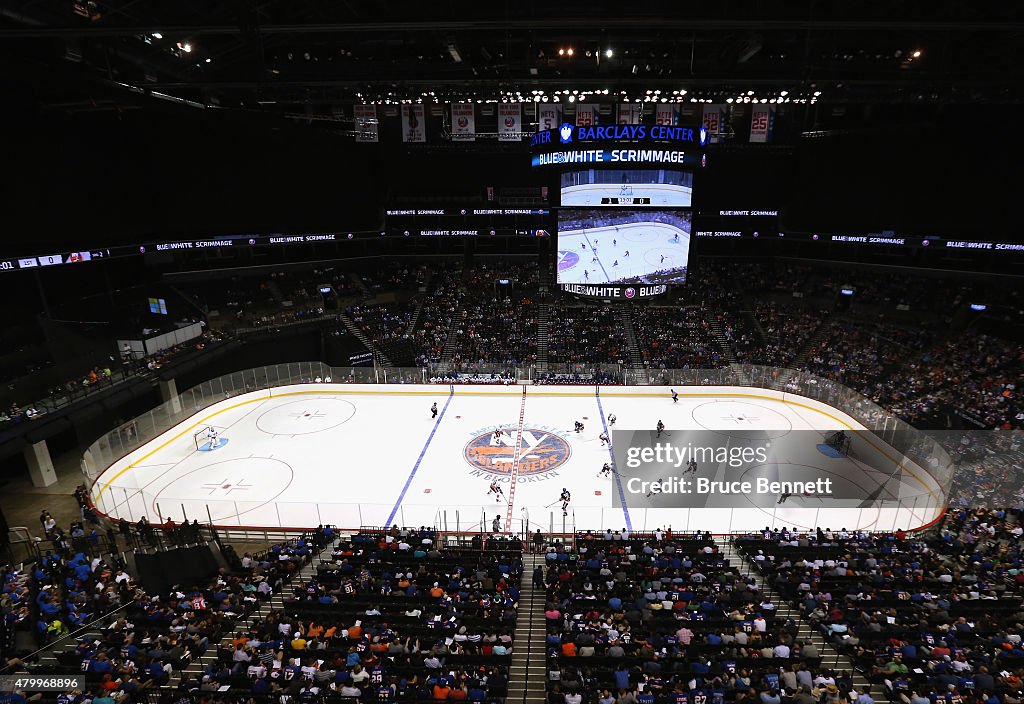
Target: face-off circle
(229, 488)
(306, 416)
(722, 417)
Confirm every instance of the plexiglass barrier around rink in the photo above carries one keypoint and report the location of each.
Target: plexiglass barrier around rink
(131, 502)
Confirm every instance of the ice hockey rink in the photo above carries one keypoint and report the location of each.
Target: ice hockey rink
(658, 194)
(651, 247)
(359, 455)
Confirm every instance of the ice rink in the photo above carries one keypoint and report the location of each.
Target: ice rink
(355, 455)
(651, 247)
(660, 194)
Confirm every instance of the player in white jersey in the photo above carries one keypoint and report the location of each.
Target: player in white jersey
(496, 490)
(214, 438)
(603, 437)
(611, 419)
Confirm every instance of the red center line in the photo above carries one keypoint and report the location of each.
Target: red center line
(515, 464)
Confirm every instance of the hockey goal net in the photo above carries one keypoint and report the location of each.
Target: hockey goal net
(202, 437)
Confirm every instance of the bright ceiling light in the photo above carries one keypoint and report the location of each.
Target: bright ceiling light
(609, 53)
(157, 35)
(917, 54)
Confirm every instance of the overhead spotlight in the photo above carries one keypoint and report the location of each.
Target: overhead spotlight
(572, 98)
(209, 60)
(561, 52)
(783, 93)
(916, 53)
(186, 47)
(750, 92)
(569, 51)
(157, 35)
(682, 91)
(608, 53)
(728, 100)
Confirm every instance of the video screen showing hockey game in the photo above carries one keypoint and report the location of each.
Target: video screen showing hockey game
(632, 187)
(623, 246)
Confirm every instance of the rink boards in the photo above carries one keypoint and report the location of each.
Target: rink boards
(357, 455)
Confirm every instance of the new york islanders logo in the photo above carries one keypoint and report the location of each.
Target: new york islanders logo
(630, 292)
(567, 259)
(541, 450)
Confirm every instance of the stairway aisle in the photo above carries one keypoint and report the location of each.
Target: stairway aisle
(361, 336)
(528, 672)
(831, 659)
(624, 320)
(723, 342)
(274, 603)
(455, 333)
(543, 317)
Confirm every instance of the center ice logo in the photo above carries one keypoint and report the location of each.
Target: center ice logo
(567, 259)
(540, 451)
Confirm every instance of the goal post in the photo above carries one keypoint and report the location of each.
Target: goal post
(201, 437)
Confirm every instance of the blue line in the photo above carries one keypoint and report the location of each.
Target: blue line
(437, 423)
(622, 494)
(599, 262)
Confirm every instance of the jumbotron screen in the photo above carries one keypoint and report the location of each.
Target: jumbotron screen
(627, 187)
(599, 246)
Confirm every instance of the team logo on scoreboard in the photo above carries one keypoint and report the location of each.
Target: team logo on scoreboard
(567, 259)
(510, 122)
(629, 292)
(565, 133)
(703, 135)
(540, 451)
(463, 122)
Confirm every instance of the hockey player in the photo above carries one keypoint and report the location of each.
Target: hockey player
(675, 396)
(626, 254)
(611, 419)
(615, 263)
(496, 524)
(660, 428)
(691, 467)
(496, 490)
(578, 427)
(606, 470)
(565, 498)
(615, 243)
(214, 438)
(586, 275)
(605, 440)
(433, 411)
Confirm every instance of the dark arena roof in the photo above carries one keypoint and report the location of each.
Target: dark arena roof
(511, 353)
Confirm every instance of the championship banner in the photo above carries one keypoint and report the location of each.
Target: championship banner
(548, 117)
(510, 122)
(629, 114)
(714, 120)
(366, 123)
(414, 124)
(463, 122)
(587, 115)
(666, 114)
(762, 123)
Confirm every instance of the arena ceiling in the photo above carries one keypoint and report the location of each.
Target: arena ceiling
(316, 55)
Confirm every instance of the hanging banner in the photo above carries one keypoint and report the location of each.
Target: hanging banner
(548, 117)
(666, 114)
(587, 115)
(463, 122)
(714, 121)
(510, 122)
(414, 125)
(629, 114)
(366, 123)
(762, 123)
